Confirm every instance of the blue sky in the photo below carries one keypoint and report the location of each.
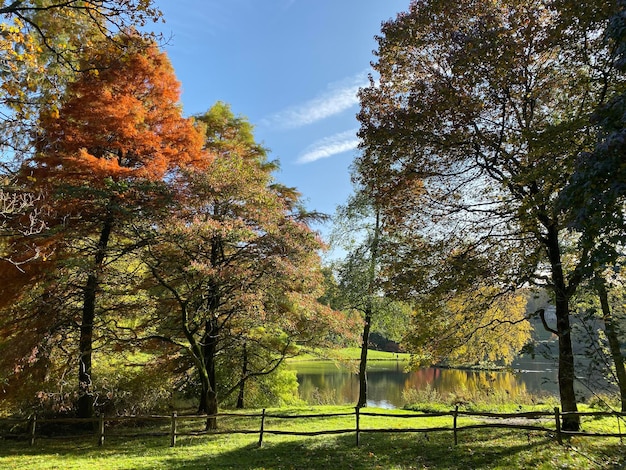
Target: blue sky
(292, 67)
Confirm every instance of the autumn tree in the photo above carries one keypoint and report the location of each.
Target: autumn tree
(102, 159)
(42, 43)
(358, 273)
(235, 267)
(41, 40)
(489, 105)
(595, 197)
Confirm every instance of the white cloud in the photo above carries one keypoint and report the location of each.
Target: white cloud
(339, 97)
(329, 146)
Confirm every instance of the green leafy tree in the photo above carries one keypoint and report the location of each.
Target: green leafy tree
(489, 105)
(235, 267)
(358, 274)
(358, 229)
(595, 195)
(612, 331)
(600, 305)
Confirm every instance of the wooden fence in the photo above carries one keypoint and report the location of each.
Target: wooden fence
(549, 422)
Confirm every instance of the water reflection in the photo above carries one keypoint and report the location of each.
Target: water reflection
(388, 383)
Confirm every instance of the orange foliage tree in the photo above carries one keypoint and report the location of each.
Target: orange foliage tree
(103, 160)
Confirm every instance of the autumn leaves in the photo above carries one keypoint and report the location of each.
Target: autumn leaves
(166, 235)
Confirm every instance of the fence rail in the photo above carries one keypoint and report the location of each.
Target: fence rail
(33, 424)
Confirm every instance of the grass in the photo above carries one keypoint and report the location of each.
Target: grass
(480, 400)
(477, 449)
(350, 354)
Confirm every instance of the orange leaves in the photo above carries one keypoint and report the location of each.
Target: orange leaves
(122, 122)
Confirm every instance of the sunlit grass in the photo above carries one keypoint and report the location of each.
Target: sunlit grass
(478, 399)
(486, 448)
(350, 354)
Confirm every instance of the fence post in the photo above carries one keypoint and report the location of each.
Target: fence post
(557, 421)
(358, 428)
(173, 430)
(33, 427)
(101, 430)
(455, 415)
(262, 427)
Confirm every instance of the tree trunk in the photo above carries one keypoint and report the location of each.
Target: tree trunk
(244, 373)
(566, 374)
(368, 312)
(208, 403)
(612, 337)
(85, 404)
(363, 363)
(208, 398)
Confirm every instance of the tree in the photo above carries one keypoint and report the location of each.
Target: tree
(358, 228)
(102, 159)
(600, 304)
(358, 277)
(235, 267)
(596, 189)
(489, 104)
(595, 193)
(42, 43)
(611, 330)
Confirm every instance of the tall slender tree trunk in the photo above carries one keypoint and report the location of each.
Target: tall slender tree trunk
(363, 363)
(613, 339)
(362, 402)
(566, 374)
(244, 373)
(85, 404)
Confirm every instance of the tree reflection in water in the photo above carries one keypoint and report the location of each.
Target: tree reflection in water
(323, 382)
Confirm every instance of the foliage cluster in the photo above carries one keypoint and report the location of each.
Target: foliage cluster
(146, 256)
(489, 140)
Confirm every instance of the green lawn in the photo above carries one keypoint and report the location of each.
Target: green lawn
(350, 354)
(477, 449)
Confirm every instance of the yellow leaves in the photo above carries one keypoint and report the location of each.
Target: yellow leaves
(473, 327)
(494, 327)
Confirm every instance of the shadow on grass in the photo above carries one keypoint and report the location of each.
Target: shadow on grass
(377, 451)
(477, 450)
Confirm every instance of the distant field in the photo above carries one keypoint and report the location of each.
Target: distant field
(351, 354)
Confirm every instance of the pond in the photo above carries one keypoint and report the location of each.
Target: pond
(389, 383)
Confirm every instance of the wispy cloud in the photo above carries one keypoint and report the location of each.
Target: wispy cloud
(329, 146)
(339, 97)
